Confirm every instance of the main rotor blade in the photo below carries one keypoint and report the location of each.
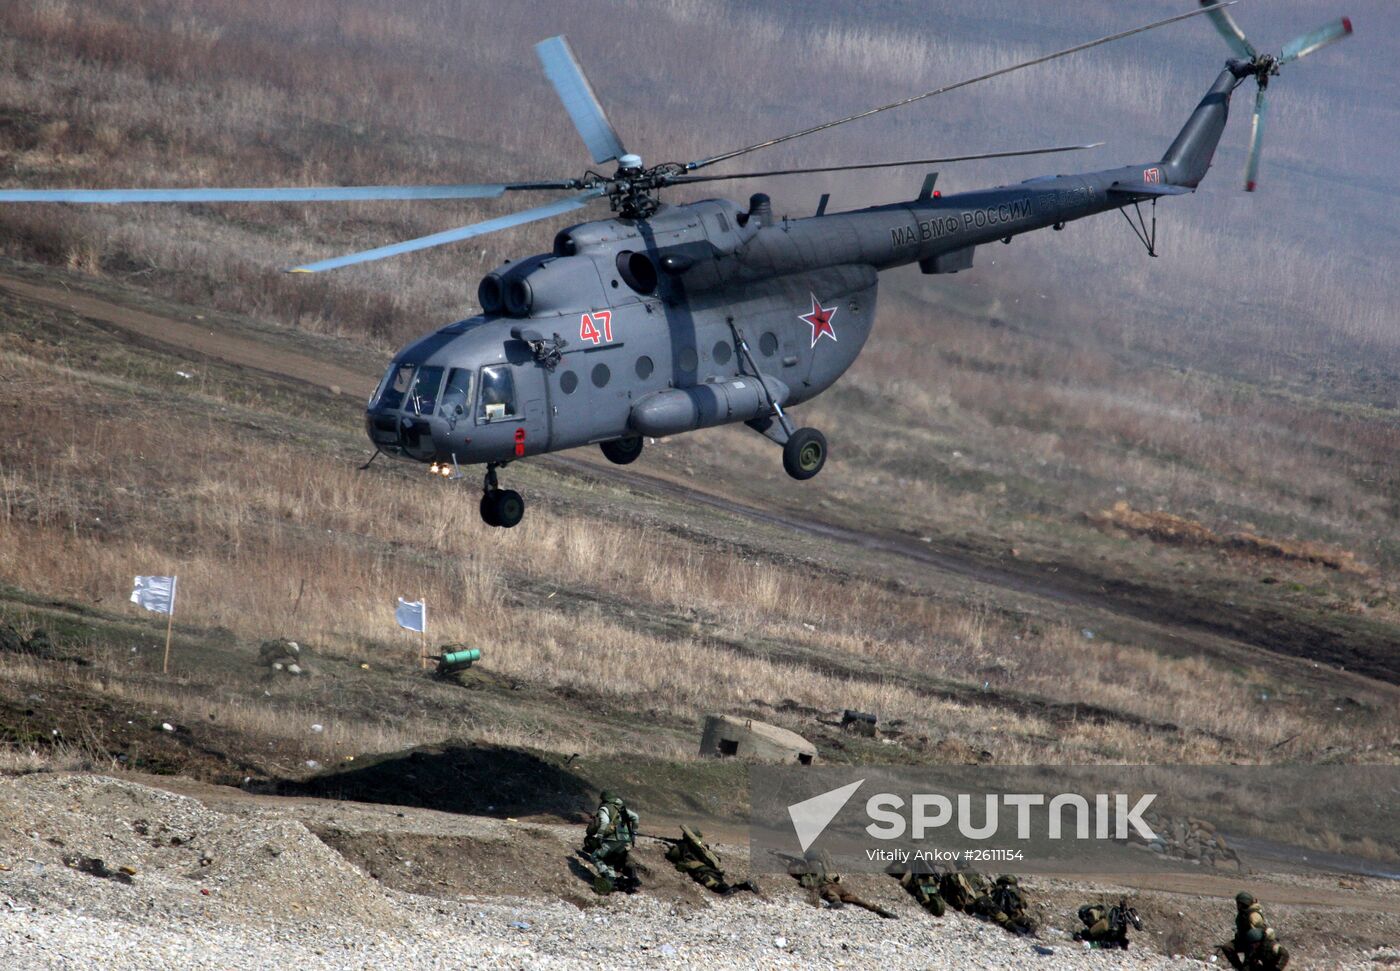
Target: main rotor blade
(1230, 31)
(1305, 45)
(1256, 133)
(701, 163)
(580, 102)
(310, 194)
(680, 179)
(556, 208)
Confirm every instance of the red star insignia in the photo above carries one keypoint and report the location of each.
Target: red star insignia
(820, 319)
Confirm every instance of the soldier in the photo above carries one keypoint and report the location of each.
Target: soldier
(960, 888)
(1107, 927)
(1255, 946)
(693, 857)
(1005, 906)
(923, 887)
(610, 837)
(814, 872)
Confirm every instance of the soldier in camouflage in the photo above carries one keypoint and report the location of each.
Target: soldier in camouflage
(1107, 927)
(1254, 947)
(606, 845)
(1001, 903)
(814, 872)
(924, 887)
(960, 888)
(693, 857)
(1005, 906)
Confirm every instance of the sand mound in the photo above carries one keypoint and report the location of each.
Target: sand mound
(122, 848)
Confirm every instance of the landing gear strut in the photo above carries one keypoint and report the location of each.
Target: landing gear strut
(804, 449)
(500, 507)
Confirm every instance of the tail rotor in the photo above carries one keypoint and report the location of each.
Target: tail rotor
(1262, 67)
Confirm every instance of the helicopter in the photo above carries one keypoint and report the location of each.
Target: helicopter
(668, 318)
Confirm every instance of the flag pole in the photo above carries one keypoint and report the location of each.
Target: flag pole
(423, 638)
(169, 624)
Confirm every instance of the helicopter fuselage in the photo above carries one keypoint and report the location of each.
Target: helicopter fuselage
(706, 314)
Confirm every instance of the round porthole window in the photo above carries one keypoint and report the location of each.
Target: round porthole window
(722, 353)
(601, 374)
(644, 367)
(768, 344)
(568, 381)
(688, 359)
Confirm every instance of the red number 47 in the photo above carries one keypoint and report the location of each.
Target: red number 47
(596, 327)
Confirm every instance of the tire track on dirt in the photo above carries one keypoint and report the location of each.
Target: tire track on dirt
(1172, 622)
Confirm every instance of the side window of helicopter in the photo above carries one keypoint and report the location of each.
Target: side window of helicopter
(497, 393)
(422, 397)
(457, 396)
(395, 386)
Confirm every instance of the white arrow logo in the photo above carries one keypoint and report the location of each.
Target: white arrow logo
(811, 816)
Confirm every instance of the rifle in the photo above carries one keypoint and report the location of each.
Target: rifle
(1123, 915)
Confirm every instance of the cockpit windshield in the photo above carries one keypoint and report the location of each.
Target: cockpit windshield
(394, 387)
(422, 397)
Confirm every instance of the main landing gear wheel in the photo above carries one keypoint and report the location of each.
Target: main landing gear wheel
(502, 508)
(488, 510)
(507, 508)
(623, 451)
(805, 453)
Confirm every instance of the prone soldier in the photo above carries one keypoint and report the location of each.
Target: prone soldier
(692, 856)
(923, 887)
(813, 871)
(1005, 906)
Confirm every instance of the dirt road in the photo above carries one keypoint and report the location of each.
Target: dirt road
(1174, 622)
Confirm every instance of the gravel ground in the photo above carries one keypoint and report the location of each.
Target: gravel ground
(632, 933)
(223, 890)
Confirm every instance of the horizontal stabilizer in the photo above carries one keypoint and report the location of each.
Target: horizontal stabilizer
(1148, 189)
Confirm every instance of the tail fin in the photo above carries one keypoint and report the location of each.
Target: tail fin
(1188, 158)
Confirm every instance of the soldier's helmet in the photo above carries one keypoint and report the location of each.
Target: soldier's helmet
(1006, 880)
(1244, 900)
(699, 834)
(607, 795)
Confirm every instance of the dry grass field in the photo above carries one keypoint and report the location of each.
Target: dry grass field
(1001, 415)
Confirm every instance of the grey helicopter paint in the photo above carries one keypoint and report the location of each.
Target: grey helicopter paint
(671, 318)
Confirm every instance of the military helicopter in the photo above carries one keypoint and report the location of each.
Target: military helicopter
(669, 318)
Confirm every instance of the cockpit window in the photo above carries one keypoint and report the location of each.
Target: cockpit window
(395, 386)
(497, 393)
(457, 396)
(422, 398)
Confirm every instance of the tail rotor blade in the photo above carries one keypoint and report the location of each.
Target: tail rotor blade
(556, 208)
(1230, 31)
(1318, 39)
(1256, 133)
(561, 67)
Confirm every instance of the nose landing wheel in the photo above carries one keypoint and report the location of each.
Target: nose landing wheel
(502, 508)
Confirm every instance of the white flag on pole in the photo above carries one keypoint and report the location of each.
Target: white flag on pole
(412, 615)
(155, 593)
